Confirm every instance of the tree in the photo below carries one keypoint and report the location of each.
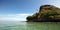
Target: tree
(29, 18)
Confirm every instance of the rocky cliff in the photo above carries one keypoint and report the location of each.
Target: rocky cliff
(47, 13)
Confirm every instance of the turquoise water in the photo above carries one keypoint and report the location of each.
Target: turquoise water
(16, 25)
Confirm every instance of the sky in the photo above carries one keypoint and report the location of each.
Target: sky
(18, 10)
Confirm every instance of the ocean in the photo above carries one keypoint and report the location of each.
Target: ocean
(18, 25)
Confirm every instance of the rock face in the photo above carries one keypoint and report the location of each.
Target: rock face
(47, 13)
(45, 7)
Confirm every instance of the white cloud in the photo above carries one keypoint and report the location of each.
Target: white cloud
(14, 17)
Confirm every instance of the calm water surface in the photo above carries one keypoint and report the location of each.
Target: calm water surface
(17, 25)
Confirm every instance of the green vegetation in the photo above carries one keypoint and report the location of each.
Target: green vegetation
(47, 13)
(29, 18)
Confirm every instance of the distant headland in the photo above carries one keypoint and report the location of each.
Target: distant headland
(47, 13)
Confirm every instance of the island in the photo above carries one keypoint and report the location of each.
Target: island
(46, 13)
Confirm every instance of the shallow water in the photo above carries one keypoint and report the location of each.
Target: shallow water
(17, 25)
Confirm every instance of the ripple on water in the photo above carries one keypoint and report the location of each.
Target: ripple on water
(29, 26)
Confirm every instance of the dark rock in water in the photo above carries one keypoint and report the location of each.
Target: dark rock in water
(47, 13)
